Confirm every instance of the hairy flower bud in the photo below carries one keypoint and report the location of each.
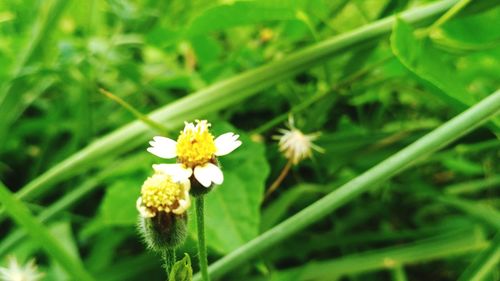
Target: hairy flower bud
(163, 231)
(162, 207)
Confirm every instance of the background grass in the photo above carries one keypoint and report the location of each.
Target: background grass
(77, 159)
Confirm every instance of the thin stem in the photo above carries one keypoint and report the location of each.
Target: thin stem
(447, 16)
(144, 118)
(202, 247)
(168, 257)
(279, 180)
(399, 274)
(317, 97)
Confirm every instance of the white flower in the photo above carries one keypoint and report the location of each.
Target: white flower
(295, 145)
(15, 272)
(160, 193)
(196, 150)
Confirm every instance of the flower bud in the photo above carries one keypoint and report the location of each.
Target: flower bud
(163, 231)
(162, 207)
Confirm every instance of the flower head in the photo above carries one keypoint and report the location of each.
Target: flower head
(160, 193)
(15, 272)
(295, 145)
(196, 150)
(195, 145)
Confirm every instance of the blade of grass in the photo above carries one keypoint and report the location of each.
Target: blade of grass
(488, 215)
(222, 95)
(67, 200)
(473, 186)
(22, 216)
(49, 13)
(444, 245)
(484, 263)
(448, 132)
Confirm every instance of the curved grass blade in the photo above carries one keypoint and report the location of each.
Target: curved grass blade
(485, 262)
(20, 213)
(452, 243)
(11, 102)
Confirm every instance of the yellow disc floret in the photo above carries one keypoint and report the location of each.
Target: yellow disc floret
(160, 193)
(195, 145)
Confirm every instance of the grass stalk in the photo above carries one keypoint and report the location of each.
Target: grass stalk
(487, 261)
(447, 244)
(22, 216)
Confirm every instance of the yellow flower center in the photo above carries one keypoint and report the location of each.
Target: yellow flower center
(160, 193)
(195, 145)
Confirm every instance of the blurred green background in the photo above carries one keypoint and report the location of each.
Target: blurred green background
(368, 100)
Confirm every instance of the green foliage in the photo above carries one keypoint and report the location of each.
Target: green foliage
(240, 13)
(378, 79)
(233, 209)
(118, 205)
(420, 57)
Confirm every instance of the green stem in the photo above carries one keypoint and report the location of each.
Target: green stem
(447, 16)
(399, 274)
(317, 97)
(202, 247)
(144, 118)
(410, 155)
(168, 257)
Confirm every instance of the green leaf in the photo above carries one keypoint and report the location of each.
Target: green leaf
(232, 215)
(425, 62)
(182, 271)
(118, 206)
(474, 30)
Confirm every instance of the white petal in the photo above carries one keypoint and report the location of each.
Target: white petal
(183, 205)
(138, 203)
(163, 147)
(207, 174)
(178, 172)
(226, 143)
(143, 211)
